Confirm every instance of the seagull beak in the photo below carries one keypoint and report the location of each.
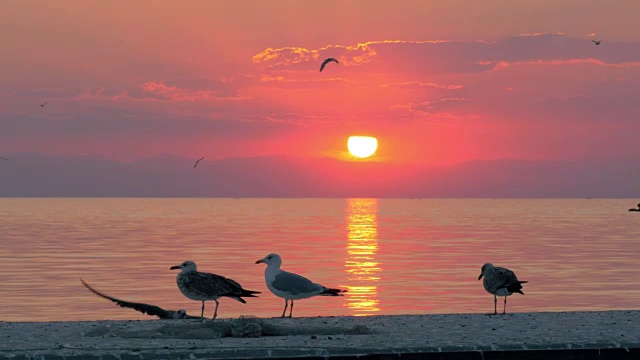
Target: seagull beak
(480, 277)
(174, 267)
(260, 261)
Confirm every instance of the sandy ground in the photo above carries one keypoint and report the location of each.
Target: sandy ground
(321, 336)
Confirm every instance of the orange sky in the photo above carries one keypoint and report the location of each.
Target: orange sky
(438, 82)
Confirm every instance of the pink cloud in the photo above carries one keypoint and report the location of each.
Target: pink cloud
(173, 93)
(418, 85)
(443, 56)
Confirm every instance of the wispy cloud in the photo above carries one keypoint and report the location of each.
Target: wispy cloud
(173, 93)
(418, 85)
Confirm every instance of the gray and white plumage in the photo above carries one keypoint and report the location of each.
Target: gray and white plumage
(500, 282)
(201, 286)
(290, 286)
(146, 309)
(326, 61)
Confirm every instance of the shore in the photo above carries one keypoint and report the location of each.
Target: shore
(549, 335)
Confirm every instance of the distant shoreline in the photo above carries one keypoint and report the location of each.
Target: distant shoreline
(544, 335)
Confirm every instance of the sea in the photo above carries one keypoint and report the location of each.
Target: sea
(393, 256)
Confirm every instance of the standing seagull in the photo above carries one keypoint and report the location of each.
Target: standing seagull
(197, 161)
(326, 61)
(42, 105)
(144, 308)
(201, 286)
(500, 282)
(597, 42)
(291, 286)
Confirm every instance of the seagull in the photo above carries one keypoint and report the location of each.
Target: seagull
(291, 286)
(201, 286)
(145, 308)
(197, 161)
(326, 61)
(633, 209)
(42, 105)
(596, 42)
(500, 282)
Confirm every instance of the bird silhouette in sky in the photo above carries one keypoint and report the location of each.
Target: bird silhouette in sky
(197, 161)
(597, 42)
(326, 61)
(42, 105)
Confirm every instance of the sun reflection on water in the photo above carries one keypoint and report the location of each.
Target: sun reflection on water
(361, 266)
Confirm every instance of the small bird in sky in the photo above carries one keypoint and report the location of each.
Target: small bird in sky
(42, 105)
(597, 42)
(197, 161)
(326, 61)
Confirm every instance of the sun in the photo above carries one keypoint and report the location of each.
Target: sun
(362, 146)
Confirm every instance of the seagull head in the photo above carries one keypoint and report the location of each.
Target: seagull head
(185, 266)
(271, 259)
(485, 268)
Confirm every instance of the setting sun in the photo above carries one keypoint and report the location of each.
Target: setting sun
(362, 146)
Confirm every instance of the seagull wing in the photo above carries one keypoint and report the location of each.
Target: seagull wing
(501, 278)
(295, 284)
(143, 308)
(326, 61)
(207, 284)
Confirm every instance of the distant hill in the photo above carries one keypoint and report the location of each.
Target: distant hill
(172, 176)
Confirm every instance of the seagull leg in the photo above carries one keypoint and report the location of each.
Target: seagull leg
(504, 311)
(291, 309)
(215, 313)
(286, 303)
(202, 313)
(495, 305)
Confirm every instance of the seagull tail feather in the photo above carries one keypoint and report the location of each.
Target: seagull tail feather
(516, 287)
(332, 292)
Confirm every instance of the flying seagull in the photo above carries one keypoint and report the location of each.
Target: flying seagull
(500, 282)
(291, 286)
(326, 61)
(201, 286)
(597, 42)
(144, 308)
(42, 105)
(197, 161)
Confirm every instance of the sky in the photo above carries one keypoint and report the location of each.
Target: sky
(438, 83)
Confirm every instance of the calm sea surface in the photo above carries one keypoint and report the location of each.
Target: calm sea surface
(404, 256)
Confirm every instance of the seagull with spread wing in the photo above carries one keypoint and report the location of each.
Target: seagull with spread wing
(326, 61)
(597, 42)
(197, 161)
(144, 308)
